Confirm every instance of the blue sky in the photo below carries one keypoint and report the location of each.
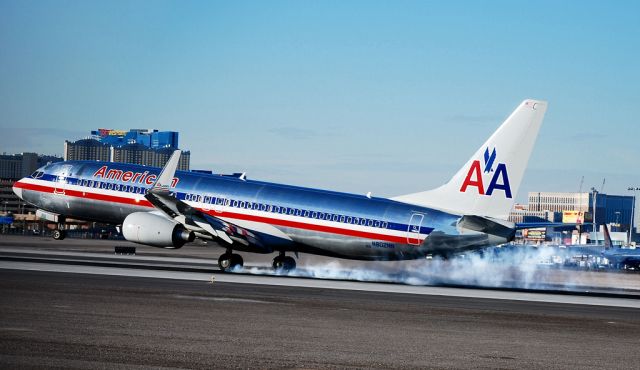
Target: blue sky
(390, 97)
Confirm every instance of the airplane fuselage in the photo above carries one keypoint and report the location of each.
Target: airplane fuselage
(284, 218)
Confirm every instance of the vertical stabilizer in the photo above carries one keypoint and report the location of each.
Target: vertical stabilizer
(488, 183)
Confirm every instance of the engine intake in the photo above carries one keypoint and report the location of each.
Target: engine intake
(155, 230)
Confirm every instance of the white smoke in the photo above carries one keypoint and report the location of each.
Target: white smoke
(508, 267)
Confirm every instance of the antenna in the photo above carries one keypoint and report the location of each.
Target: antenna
(602, 187)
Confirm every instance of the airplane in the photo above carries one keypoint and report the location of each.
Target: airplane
(168, 208)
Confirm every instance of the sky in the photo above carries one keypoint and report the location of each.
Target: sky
(390, 97)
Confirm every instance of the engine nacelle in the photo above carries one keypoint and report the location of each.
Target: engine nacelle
(155, 230)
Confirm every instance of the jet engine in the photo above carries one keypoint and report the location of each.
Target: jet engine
(155, 230)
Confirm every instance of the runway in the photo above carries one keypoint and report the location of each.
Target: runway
(52, 319)
(79, 307)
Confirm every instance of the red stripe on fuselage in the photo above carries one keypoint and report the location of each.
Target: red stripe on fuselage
(224, 214)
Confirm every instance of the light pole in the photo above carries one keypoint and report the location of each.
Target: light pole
(595, 224)
(633, 211)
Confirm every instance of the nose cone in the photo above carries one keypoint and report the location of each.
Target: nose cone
(17, 189)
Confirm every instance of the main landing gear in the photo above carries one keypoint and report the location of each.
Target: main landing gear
(230, 261)
(282, 263)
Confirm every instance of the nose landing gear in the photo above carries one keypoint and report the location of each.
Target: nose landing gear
(59, 233)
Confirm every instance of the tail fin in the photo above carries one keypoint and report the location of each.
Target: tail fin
(487, 184)
(607, 238)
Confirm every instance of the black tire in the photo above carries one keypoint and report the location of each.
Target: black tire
(236, 261)
(224, 262)
(284, 264)
(289, 263)
(58, 234)
(278, 263)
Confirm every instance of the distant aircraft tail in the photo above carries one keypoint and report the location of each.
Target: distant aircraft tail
(487, 184)
(607, 238)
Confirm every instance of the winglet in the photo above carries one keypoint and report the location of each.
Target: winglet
(163, 183)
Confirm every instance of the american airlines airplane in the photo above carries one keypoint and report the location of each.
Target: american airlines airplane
(168, 208)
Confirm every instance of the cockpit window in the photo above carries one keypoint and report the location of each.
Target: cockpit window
(37, 174)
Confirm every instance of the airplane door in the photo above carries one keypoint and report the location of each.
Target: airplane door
(61, 180)
(413, 232)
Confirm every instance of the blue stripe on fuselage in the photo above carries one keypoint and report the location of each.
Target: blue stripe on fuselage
(307, 201)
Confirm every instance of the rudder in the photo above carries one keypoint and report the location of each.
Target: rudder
(487, 184)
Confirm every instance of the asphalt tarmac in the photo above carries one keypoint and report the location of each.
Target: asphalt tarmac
(68, 320)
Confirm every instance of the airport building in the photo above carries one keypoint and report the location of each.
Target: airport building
(137, 146)
(613, 210)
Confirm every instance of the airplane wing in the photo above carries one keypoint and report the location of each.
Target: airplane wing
(161, 197)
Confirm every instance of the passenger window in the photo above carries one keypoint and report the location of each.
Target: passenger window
(369, 223)
(384, 225)
(363, 221)
(327, 216)
(306, 213)
(341, 218)
(256, 206)
(376, 224)
(276, 209)
(349, 219)
(234, 204)
(314, 214)
(335, 218)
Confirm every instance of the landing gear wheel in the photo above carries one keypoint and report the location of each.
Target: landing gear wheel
(59, 234)
(289, 263)
(229, 262)
(283, 263)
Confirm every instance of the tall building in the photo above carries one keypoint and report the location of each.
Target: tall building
(140, 154)
(153, 139)
(12, 168)
(17, 166)
(86, 150)
(136, 146)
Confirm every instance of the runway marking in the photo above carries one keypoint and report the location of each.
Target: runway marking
(327, 284)
(222, 299)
